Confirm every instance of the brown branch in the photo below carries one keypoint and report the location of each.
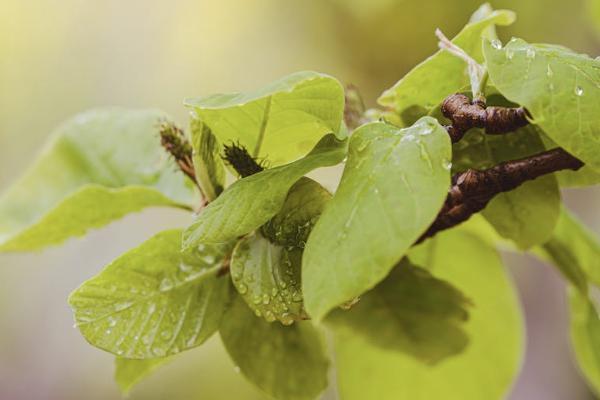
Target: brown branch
(472, 190)
(466, 114)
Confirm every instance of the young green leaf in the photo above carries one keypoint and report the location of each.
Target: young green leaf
(129, 373)
(99, 166)
(252, 201)
(485, 370)
(208, 166)
(267, 276)
(154, 301)
(585, 176)
(303, 206)
(561, 90)
(286, 362)
(528, 214)
(410, 311)
(281, 121)
(393, 186)
(426, 85)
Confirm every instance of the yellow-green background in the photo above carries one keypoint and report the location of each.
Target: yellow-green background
(58, 57)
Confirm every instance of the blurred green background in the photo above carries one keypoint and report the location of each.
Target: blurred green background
(58, 57)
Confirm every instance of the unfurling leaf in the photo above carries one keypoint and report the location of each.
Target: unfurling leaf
(484, 370)
(412, 312)
(561, 90)
(303, 206)
(252, 201)
(208, 166)
(426, 85)
(282, 121)
(394, 183)
(99, 166)
(154, 301)
(267, 276)
(286, 362)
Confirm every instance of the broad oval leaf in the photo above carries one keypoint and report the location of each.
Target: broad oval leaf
(426, 85)
(129, 373)
(154, 301)
(98, 167)
(286, 362)
(561, 90)
(267, 276)
(528, 214)
(411, 312)
(252, 201)
(394, 183)
(282, 121)
(485, 370)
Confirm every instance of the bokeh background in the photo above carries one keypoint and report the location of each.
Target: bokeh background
(59, 57)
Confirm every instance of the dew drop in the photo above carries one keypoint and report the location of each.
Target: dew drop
(269, 316)
(151, 308)
(447, 165)
(242, 288)
(112, 321)
(108, 331)
(530, 53)
(120, 352)
(266, 299)
(165, 284)
(579, 91)
(510, 54)
(286, 319)
(409, 137)
(209, 259)
(165, 334)
(496, 44)
(549, 72)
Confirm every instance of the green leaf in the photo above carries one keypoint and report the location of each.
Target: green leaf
(412, 312)
(303, 206)
(99, 166)
(585, 336)
(575, 251)
(393, 186)
(426, 85)
(154, 301)
(268, 278)
(561, 90)
(286, 362)
(485, 370)
(129, 373)
(208, 166)
(280, 122)
(252, 201)
(528, 214)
